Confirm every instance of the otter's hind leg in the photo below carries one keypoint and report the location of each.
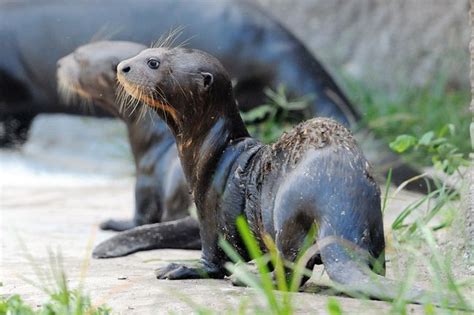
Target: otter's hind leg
(292, 232)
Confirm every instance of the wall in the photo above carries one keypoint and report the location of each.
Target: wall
(386, 43)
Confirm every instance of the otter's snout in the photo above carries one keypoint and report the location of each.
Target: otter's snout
(64, 69)
(123, 67)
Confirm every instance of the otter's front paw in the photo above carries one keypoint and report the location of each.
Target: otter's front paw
(178, 271)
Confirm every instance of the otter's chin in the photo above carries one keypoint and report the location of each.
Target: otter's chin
(130, 88)
(69, 89)
(147, 97)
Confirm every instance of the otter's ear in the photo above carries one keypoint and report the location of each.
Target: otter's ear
(207, 80)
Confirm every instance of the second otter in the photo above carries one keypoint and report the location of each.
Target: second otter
(161, 191)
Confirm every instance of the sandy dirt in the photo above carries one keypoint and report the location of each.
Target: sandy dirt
(56, 206)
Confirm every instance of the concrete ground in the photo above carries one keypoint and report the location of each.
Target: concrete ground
(53, 206)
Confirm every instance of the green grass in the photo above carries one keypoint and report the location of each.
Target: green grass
(414, 111)
(268, 121)
(280, 304)
(445, 157)
(60, 303)
(437, 148)
(61, 298)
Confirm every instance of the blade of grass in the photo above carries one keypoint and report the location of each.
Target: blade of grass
(256, 254)
(387, 188)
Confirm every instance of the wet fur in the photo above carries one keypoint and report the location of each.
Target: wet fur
(313, 175)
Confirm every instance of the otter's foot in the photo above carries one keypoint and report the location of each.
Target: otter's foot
(114, 247)
(319, 288)
(241, 272)
(250, 277)
(117, 225)
(180, 271)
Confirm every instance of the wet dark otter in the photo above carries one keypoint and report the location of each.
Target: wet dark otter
(282, 189)
(161, 191)
(315, 174)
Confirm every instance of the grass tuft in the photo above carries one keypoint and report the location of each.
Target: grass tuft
(61, 299)
(268, 121)
(412, 111)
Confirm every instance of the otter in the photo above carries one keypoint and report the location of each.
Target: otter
(161, 192)
(313, 175)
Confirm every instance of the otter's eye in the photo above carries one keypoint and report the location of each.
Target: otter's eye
(153, 63)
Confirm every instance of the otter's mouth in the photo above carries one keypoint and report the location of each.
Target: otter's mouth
(69, 88)
(143, 94)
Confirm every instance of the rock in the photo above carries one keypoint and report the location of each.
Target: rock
(387, 44)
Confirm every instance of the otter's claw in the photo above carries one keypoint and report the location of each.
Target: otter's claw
(178, 271)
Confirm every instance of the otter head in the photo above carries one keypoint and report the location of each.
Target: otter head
(90, 71)
(186, 87)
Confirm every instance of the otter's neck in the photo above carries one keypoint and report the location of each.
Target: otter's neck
(202, 143)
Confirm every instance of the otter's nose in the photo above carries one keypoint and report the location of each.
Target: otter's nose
(123, 67)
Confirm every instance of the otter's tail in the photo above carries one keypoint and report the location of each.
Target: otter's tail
(354, 278)
(181, 234)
